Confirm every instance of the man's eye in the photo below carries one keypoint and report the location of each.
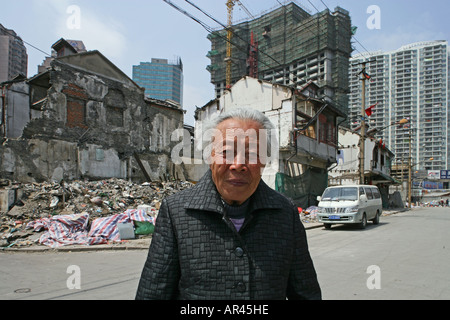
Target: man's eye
(225, 152)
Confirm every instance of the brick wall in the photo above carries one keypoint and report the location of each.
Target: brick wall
(76, 113)
(76, 106)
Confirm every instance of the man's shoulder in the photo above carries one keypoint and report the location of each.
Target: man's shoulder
(201, 190)
(268, 198)
(268, 191)
(181, 196)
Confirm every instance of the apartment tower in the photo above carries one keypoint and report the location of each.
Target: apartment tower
(13, 55)
(408, 83)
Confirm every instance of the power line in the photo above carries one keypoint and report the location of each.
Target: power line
(27, 43)
(205, 26)
(235, 34)
(313, 6)
(354, 37)
(205, 13)
(245, 9)
(210, 30)
(370, 55)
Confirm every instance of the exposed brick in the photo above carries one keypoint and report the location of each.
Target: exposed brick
(75, 91)
(76, 114)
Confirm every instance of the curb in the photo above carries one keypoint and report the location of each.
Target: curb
(312, 225)
(143, 244)
(128, 246)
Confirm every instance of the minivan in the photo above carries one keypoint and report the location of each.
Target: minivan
(350, 204)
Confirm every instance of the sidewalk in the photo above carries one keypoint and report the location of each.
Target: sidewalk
(136, 244)
(139, 244)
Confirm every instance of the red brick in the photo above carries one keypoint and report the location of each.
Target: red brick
(76, 114)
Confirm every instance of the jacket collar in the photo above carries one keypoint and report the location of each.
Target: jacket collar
(206, 197)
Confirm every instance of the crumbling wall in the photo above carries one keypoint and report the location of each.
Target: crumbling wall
(14, 109)
(90, 127)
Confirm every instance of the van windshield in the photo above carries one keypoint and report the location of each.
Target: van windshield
(337, 194)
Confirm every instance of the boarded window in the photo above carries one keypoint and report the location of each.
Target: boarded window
(115, 106)
(327, 130)
(114, 116)
(76, 113)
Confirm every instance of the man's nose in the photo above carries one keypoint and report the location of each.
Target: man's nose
(239, 162)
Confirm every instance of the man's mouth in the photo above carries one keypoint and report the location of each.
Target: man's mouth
(237, 182)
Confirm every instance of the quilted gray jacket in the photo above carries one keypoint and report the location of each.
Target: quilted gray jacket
(196, 253)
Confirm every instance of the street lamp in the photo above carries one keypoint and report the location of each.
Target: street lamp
(376, 130)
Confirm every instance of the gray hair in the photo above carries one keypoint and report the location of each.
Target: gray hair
(245, 114)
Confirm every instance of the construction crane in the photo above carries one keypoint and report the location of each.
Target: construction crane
(230, 6)
(252, 60)
(229, 57)
(253, 54)
(245, 9)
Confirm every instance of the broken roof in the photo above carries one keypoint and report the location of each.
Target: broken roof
(95, 62)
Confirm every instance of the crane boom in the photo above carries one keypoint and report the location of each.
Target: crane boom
(230, 6)
(245, 9)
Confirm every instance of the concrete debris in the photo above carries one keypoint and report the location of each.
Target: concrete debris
(309, 215)
(98, 199)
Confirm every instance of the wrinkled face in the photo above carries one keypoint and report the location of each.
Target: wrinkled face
(235, 164)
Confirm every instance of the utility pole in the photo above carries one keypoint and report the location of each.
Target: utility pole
(362, 139)
(409, 169)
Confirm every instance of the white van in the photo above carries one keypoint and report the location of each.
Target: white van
(355, 204)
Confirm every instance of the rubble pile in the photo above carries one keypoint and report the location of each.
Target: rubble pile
(309, 215)
(94, 199)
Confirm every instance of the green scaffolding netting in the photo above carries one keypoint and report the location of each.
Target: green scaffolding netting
(303, 189)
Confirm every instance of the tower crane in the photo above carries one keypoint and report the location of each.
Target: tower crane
(253, 46)
(230, 6)
(253, 54)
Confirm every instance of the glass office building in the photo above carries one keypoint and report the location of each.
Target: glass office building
(161, 79)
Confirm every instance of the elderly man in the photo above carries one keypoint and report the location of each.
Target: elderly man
(230, 236)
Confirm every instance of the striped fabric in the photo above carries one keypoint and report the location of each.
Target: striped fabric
(107, 227)
(73, 229)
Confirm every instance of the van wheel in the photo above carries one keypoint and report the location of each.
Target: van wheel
(376, 220)
(363, 223)
(327, 225)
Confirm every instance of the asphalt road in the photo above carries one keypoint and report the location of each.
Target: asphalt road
(100, 275)
(406, 256)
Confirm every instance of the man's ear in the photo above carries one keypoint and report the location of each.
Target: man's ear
(211, 158)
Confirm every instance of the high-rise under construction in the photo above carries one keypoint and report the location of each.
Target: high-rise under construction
(288, 46)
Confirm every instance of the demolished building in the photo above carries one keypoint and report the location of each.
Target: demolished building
(83, 118)
(378, 159)
(306, 130)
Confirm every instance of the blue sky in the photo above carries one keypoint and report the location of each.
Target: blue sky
(132, 31)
